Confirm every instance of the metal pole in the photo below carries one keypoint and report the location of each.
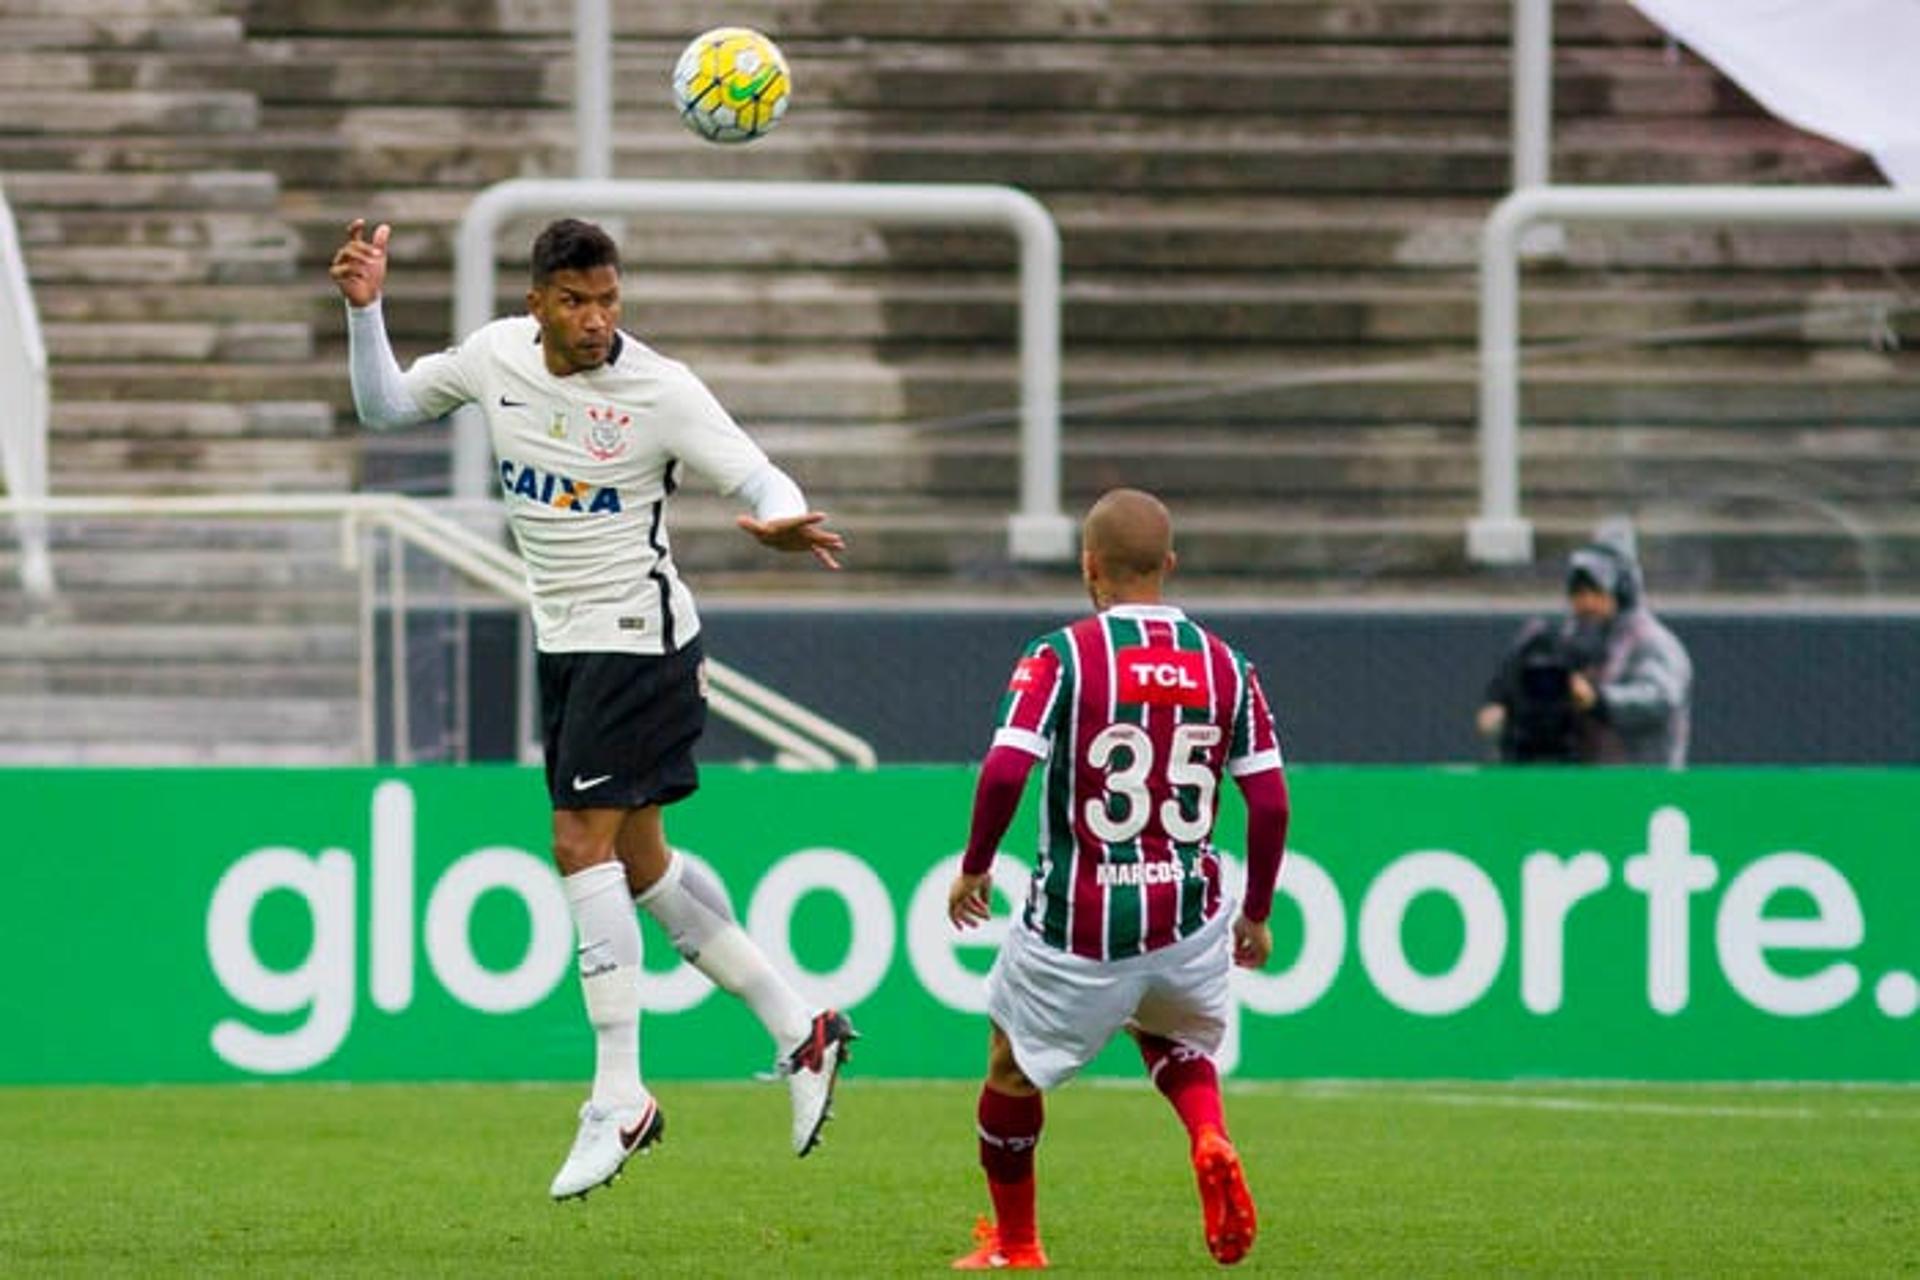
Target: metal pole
(1532, 92)
(526, 747)
(462, 749)
(23, 438)
(397, 646)
(593, 88)
(1498, 535)
(369, 721)
(1039, 531)
(1533, 115)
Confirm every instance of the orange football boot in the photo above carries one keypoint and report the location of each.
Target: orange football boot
(990, 1255)
(1224, 1199)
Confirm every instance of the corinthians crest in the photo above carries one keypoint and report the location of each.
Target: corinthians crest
(607, 432)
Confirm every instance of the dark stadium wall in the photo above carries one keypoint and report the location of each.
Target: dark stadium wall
(1348, 686)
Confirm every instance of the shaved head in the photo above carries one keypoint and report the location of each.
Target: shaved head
(1128, 537)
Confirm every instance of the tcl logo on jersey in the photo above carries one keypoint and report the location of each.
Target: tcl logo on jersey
(1162, 677)
(557, 491)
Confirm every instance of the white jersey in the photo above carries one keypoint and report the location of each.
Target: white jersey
(586, 463)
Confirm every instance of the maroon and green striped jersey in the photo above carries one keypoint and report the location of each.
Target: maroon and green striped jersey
(1137, 712)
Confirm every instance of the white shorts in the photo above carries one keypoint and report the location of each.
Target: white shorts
(1059, 1010)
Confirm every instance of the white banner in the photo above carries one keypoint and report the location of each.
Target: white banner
(1845, 69)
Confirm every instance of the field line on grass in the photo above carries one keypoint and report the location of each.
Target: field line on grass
(1529, 1101)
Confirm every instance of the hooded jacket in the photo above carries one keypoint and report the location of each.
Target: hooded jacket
(1644, 676)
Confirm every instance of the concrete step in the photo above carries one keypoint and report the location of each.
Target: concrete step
(795, 21)
(161, 419)
(651, 122)
(158, 605)
(167, 569)
(1200, 311)
(55, 26)
(1324, 157)
(1108, 231)
(309, 305)
(207, 231)
(183, 646)
(167, 10)
(244, 341)
(311, 538)
(256, 190)
(96, 111)
(203, 726)
(1263, 549)
(1706, 385)
(222, 679)
(1186, 79)
(157, 266)
(1355, 469)
(119, 752)
(147, 464)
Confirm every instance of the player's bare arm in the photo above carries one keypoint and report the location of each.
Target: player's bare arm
(807, 532)
(969, 900)
(359, 268)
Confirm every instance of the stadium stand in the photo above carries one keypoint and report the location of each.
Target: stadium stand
(1269, 216)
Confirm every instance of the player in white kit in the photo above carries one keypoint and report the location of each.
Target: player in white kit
(591, 430)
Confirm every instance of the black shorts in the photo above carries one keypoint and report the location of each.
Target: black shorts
(620, 728)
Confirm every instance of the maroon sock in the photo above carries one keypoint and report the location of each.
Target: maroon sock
(1188, 1079)
(1009, 1131)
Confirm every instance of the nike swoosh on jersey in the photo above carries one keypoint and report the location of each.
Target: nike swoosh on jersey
(512, 404)
(588, 784)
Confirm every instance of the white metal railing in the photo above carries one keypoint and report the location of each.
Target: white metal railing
(1532, 109)
(801, 738)
(1499, 534)
(25, 403)
(593, 89)
(1039, 531)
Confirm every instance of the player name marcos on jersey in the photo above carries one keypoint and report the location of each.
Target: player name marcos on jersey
(1113, 874)
(557, 491)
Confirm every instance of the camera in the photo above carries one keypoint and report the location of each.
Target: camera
(1542, 724)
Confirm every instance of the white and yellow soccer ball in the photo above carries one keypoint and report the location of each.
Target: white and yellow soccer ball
(731, 84)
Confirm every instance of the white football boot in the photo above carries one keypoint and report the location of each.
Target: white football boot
(608, 1137)
(811, 1069)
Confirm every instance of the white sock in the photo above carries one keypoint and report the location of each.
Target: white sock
(609, 979)
(692, 907)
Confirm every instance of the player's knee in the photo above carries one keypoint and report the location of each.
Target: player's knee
(1003, 1069)
(576, 846)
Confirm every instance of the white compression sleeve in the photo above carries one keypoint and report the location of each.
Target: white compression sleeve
(609, 957)
(379, 395)
(692, 908)
(773, 494)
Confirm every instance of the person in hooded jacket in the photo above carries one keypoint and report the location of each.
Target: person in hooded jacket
(1606, 684)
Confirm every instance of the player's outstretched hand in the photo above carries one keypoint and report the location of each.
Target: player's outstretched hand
(359, 269)
(1252, 943)
(798, 533)
(969, 901)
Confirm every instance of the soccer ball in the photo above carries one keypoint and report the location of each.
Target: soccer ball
(731, 84)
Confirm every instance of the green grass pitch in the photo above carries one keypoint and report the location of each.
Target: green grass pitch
(1361, 1179)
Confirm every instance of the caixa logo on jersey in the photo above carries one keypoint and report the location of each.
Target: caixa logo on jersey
(557, 491)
